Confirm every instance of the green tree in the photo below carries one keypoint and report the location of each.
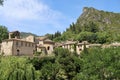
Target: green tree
(16, 68)
(70, 64)
(100, 64)
(3, 33)
(1, 2)
(103, 37)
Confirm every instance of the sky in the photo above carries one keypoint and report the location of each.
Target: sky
(48, 16)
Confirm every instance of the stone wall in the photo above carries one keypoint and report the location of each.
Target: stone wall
(6, 47)
(17, 47)
(49, 48)
(23, 48)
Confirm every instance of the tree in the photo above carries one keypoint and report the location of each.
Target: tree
(85, 36)
(100, 64)
(1, 2)
(69, 64)
(103, 37)
(16, 68)
(3, 33)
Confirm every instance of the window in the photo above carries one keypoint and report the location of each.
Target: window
(48, 48)
(16, 43)
(26, 44)
(80, 49)
(32, 45)
(21, 43)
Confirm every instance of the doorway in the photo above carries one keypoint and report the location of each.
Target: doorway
(18, 52)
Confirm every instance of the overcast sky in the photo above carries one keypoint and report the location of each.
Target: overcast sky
(48, 16)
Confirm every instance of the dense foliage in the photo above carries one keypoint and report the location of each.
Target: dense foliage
(100, 64)
(15, 68)
(3, 33)
(55, 36)
(92, 64)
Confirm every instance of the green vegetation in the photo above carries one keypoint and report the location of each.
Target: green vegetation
(94, 26)
(92, 64)
(26, 34)
(16, 68)
(1, 2)
(3, 33)
(55, 37)
(100, 64)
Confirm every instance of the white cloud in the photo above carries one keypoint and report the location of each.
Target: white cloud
(27, 10)
(31, 16)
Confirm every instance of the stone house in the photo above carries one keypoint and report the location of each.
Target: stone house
(73, 46)
(46, 45)
(16, 46)
(43, 44)
(70, 45)
(41, 48)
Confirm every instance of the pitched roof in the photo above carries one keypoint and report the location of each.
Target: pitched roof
(48, 41)
(41, 38)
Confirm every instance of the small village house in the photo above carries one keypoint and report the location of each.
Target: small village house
(46, 45)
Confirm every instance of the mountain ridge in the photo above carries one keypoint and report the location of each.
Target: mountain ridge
(26, 34)
(98, 25)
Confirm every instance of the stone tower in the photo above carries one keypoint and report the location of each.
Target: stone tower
(14, 34)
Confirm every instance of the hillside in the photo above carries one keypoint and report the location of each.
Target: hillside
(104, 20)
(25, 34)
(95, 26)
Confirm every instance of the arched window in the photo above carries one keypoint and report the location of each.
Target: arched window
(48, 48)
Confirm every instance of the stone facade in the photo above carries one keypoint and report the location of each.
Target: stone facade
(70, 45)
(46, 46)
(49, 45)
(17, 47)
(43, 44)
(30, 38)
(73, 46)
(41, 49)
(80, 46)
